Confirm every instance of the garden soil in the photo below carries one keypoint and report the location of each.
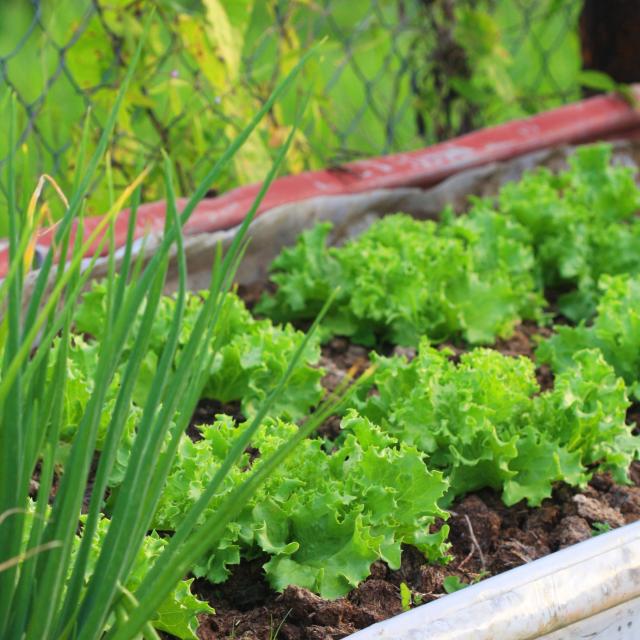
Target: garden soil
(487, 538)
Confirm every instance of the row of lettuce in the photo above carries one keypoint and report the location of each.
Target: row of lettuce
(424, 431)
(472, 277)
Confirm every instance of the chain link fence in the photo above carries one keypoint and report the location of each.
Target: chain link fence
(389, 75)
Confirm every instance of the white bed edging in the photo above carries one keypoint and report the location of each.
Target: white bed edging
(590, 590)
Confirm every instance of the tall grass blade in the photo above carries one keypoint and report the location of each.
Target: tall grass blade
(43, 591)
(11, 434)
(150, 596)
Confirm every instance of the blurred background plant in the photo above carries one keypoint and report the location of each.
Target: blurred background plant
(394, 75)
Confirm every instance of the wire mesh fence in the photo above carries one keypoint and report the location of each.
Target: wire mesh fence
(390, 75)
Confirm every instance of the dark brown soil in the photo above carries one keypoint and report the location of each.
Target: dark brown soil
(338, 357)
(206, 411)
(633, 417)
(251, 293)
(524, 342)
(34, 483)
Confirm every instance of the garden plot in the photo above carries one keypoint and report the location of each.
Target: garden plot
(498, 424)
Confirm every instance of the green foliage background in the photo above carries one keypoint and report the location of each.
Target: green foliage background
(391, 76)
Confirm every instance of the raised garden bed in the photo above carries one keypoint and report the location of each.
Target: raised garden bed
(487, 537)
(458, 456)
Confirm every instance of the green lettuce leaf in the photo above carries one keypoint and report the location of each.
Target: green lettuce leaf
(582, 224)
(401, 279)
(615, 331)
(484, 422)
(323, 518)
(248, 356)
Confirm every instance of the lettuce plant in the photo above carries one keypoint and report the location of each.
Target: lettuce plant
(469, 277)
(81, 364)
(582, 224)
(476, 276)
(484, 422)
(615, 331)
(323, 518)
(248, 356)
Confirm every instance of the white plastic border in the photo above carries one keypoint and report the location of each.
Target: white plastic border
(590, 590)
